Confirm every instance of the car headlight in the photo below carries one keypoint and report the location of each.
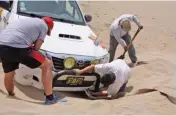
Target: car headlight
(96, 61)
(69, 63)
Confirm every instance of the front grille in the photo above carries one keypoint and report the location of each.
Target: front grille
(86, 63)
(59, 64)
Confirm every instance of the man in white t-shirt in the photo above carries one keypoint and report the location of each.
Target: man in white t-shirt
(114, 75)
(119, 34)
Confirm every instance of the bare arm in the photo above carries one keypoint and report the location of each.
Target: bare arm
(103, 92)
(38, 44)
(87, 69)
(100, 93)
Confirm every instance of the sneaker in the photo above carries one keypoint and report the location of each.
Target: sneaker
(11, 93)
(55, 100)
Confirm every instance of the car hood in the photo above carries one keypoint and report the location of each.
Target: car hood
(72, 39)
(69, 43)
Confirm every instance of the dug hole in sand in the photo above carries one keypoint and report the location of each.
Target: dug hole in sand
(152, 87)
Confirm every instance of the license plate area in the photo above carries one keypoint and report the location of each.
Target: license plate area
(71, 80)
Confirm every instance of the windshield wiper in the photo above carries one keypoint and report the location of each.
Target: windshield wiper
(31, 14)
(40, 16)
(65, 20)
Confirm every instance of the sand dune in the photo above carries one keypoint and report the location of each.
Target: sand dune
(153, 81)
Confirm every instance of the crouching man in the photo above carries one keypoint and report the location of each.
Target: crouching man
(114, 77)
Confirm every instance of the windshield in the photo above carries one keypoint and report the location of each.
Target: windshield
(65, 11)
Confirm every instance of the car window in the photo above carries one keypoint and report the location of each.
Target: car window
(67, 11)
(72, 10)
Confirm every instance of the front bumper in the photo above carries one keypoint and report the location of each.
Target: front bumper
(91, 81)
(32, 77)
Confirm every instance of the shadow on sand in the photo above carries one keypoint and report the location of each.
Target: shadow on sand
(38, 95)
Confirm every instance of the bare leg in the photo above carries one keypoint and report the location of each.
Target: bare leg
(46, 68)
(8, 82)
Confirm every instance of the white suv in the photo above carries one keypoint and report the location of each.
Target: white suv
(69, 45)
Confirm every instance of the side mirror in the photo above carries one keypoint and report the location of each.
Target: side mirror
(88, 18)
(5, 5)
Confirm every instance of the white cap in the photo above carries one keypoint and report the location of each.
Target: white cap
(125, 23)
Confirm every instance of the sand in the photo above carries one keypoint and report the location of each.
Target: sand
(154, 44)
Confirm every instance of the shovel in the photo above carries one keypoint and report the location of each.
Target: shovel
(129, 45)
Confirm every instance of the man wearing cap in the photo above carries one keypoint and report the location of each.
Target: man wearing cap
(114, 76)
(119, 33)
(19, 43)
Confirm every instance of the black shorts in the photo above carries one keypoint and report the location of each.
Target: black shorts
(11, 58)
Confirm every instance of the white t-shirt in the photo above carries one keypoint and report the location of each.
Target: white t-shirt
(120, 69)
(117, 31)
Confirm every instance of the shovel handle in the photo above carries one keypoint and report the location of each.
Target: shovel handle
(129, 45)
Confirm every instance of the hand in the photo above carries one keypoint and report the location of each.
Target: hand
(104, 92)
(96, 42)
(77, 71)
(141, 27)
(125, 48)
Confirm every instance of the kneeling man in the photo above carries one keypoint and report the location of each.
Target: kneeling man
(114, 76)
